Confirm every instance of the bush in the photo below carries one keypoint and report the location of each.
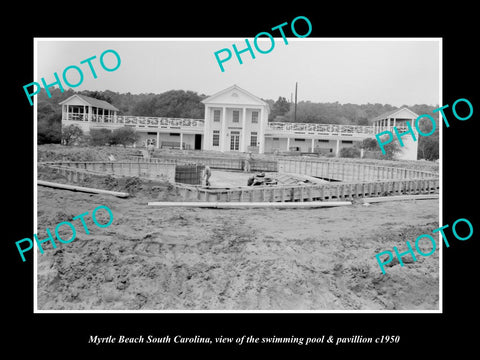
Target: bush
(350, 152)
(71, 134)
(391, 149)
(99, 137)
(49, 133)
(124, 136)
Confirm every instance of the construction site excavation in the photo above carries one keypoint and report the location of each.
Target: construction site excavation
(200, 230)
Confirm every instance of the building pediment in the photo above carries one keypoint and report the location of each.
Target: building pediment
(78, 99)
(403, 113)
(234, 95)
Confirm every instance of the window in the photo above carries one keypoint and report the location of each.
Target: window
(322, 140)
(275, 138)
(347, 141)
(236, 116)
(253, 139)
(216, 115)
(174, 134)
(299, 139)
(254, 117)
(216, 138)
(234, 140)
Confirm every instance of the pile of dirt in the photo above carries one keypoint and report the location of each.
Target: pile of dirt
(56, 152)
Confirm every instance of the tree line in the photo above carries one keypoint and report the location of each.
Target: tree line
(187, 104)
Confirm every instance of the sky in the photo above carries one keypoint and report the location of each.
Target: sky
(359, 71)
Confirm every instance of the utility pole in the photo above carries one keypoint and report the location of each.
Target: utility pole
(295, 113)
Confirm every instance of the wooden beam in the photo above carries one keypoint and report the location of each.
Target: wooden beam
(237, 205)
(81, 189)
(400, 197)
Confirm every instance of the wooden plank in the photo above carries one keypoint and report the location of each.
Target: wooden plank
(237, 205)
(81, 189)
(400, 198)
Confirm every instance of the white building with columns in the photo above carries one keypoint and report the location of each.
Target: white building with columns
(235, 120)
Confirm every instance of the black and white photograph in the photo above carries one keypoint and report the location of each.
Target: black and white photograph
(247, 189)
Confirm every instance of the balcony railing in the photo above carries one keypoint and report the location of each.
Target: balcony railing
(320, 129)
(137, 121)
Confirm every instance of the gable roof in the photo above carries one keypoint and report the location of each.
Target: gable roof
(393, 112)
(92, 102)
(212, 98)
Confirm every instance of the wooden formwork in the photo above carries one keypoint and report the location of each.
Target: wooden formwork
(349, 171)
(219, 162)
(124, 168)
(324, 192)
(357, 180)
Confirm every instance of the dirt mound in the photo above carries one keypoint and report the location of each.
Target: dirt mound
(56, 152)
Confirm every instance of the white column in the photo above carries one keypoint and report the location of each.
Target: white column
(181, 141)
(288, 143)
(337, 151)
(207, 136)
(313, 144)
(394, 122)
(261, 133)
(243, 144)
(158, 139)
(223, 136)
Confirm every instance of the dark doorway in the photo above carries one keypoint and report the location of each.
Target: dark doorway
(198, 141)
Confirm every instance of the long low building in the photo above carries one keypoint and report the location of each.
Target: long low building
(237, 121)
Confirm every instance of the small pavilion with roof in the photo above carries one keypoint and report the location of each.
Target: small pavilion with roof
(85, 108)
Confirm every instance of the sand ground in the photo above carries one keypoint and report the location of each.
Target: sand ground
(226, 259)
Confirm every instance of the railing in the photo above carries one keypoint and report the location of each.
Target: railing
(198, 124)
(138, 121)
(323, 129)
